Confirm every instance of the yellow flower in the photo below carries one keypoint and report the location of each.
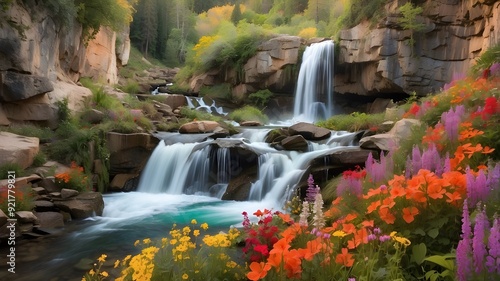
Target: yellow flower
(399, 239)
(146, 241)
(92, 272)
(193, 221)
(339, 233)
(196, 232)
(102, 258)
(185, 276)
(204, 226)
(105, 274)
(186, 230)
(117, 263)
(136, 243)
(173, 241)
(231, 264)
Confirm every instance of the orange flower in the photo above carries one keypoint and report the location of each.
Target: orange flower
(348, 228)
(312, 248)
(280, 247)
(397, 191)
(258, 270)
(409, 214)
(453, 197)
(285, 217)
(386, 215)
(350, 217)
(373, 206)
(367, 223)
(344, 258)
(360, 237)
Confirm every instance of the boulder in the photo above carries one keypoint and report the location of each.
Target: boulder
(296, 142)
(129, 152)
(198, 127)
(309, 131)
(120, 181)
(44, 206)
(389, 141)
(49, 185)
(18, 86)
(50, 219)
(67, 193)
(250, 123)
(83, 205)
(18, 149)
(26, 217)
(93, 116)
(38, 108)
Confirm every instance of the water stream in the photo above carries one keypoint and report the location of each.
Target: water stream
(185, 180)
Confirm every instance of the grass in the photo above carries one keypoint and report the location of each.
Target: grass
(248, 113)
(11, 167)
(353, 122)
(45, 134)
(193, 114)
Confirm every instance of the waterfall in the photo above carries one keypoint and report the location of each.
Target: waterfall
(313, 95)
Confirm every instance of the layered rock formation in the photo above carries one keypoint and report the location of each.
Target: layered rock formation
(377, 60)
(40, 63)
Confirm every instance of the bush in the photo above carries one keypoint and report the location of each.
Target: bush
(24, 198)
(132, 87)
(75, 178)
(194, 114)
(220, 91)
(249, 113)
(63, 111)
(39, 159)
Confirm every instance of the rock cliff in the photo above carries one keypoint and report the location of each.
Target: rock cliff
(377, 60)
(41, 61)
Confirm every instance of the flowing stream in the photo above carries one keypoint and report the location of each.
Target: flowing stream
(185, 180)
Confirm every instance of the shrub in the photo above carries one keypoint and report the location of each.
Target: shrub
(63, 111)
(132, 87)
(194, 114)
(39, 159)
(249, 113)
(261, 97)
(220, 91)
(44, 134)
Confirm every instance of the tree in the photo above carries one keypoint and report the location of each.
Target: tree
(236, 14)
(409, 19)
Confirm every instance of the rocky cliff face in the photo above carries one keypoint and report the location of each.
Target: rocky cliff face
(378, 59)
(41, 64)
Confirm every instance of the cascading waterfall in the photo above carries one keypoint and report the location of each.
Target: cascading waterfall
(313, 95)
(201, 105)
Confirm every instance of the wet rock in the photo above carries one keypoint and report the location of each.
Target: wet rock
(39, 190)
(238, 188)
(83, 205)
(119, 181)
(197, 127)
(296, 142)
(250, 123)
(50, 219)
(129, 152)
(309, 131)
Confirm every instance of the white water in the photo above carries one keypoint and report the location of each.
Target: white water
(202, 106)
(313, 95)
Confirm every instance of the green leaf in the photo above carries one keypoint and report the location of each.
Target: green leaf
(419, 231)
(445, 261)
(433, 233)
(418, 253)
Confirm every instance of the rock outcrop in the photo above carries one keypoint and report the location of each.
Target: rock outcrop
(380, 60)
(40, 62)
(18, 149)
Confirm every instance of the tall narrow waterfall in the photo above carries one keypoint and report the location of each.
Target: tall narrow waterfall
(313, 95)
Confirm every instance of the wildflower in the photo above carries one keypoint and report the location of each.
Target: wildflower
(478, 247)
(312, 189)
(304, 215)
(493, 260)
(185, 276)
(204, 226)
(146, 241)
(117, 263)
(318, 218)
(258, 270)
(345, 258)
(193, 221)
(196, 232)
(464, 247)
(102, 258)
(104, 274)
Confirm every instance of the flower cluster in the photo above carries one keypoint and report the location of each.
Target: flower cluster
(75, 178)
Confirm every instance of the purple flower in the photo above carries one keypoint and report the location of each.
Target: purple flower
(477, 188)
(377, 230)
(451, 121)
(478, 246)
(493, 260)
(378, 170)
(312, 190)
(372, 237)
(464, 247)
(384, 238)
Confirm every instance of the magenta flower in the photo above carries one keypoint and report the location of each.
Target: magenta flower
(464, 247)
(478, 246)
(493, 260)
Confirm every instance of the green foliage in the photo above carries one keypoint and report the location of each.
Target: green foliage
(409, 19)
(489, 57)
(131, 87)
(353, 122)
(248, 113)
(63, 111)
(11, 167)
(363, 10)
(193, 114)
(44, 134)
(261, 97)
(93, 14)
(236, 14)
(219, 91)
(24, 199)
(39, 159)
(64, 11)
